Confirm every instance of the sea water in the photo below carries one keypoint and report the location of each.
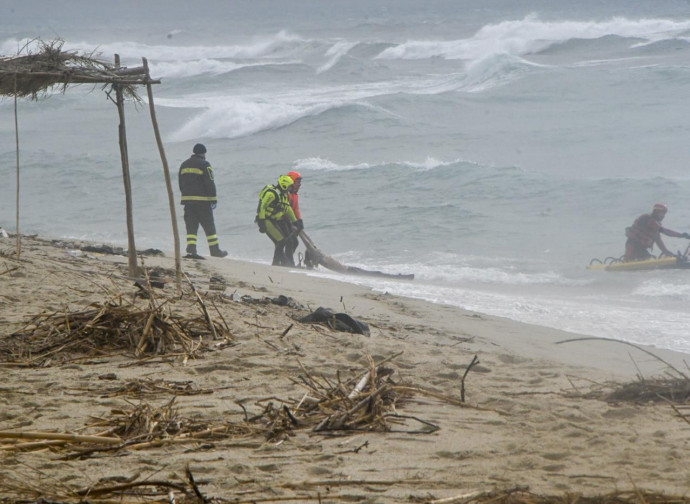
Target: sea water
(492, 148)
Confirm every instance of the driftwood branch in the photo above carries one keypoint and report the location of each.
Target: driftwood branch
(57, 436)
(474, 362)
(629, 344)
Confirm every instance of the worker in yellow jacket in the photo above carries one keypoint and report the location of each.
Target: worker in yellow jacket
(276, 218)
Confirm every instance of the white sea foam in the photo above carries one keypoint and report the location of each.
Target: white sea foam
(264, 47)
(233, 116)
(531, 35)
(180, 68)
(335, 53)
(666, 288)
(319, 164)
(237, 117)
(429, 163)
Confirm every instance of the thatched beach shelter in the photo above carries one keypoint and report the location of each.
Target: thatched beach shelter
(32, 72)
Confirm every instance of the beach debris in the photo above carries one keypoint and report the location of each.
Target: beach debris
(107, 327)
(217, 282)
(314, 257)
(475, 361)
(137, 488)
(145, 387)
(279, 300)
(336, 321)
(667, 390)
(521, 495)
(673, 390)
(140, 488)
(104, 249)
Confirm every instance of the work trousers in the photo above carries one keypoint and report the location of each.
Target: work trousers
(279, 231)
(195, 213)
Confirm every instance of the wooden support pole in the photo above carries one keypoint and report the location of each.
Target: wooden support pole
(16, 136)
(168, 182)
(132, 250)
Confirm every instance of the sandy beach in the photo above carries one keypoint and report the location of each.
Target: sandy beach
(536, 413)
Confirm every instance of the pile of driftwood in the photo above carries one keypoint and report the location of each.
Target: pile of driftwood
(109, 327)
(367, 402)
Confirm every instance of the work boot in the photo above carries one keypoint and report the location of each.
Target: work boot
(191, 254)
(217, 252)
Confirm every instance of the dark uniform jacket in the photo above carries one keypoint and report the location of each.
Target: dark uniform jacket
(196, 180)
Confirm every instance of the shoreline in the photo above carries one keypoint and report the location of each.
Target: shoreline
(530, 417)
(605, 354)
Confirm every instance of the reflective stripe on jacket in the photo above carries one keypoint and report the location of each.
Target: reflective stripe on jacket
(196, 180)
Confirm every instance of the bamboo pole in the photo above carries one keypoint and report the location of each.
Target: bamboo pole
(168, 182)
(16, 136)
(132, 251)
(85, 79)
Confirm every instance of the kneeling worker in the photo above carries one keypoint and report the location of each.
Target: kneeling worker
(645, 232)
(275, 217)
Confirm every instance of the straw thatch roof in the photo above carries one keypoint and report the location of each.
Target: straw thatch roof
(33, 72)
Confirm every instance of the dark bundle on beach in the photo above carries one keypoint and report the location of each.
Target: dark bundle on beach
(34, 73)
(106, 328)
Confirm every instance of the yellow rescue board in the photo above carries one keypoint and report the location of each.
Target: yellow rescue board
(663, 262)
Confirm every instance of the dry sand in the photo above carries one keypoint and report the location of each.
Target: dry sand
(530, 420)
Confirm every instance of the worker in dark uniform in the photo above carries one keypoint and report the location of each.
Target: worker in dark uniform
(645, 232)
(199, 199)
(276, 218)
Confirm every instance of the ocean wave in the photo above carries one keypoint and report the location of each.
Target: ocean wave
(233, 116)
(320, 164)
(238, 117)
(335, 53)
(495, 70)
(665, 288)
(531, 35)
(181, 69)
(271, 46)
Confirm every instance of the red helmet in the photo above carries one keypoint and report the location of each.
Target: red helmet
(295, 176)
(660, 207)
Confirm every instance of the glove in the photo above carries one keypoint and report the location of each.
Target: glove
(299, 224)
(213, 206)
(262, 225)
(686, 236)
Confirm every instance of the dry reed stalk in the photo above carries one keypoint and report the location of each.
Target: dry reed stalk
(109, 327)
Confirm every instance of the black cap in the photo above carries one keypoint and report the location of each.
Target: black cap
(199, 149)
